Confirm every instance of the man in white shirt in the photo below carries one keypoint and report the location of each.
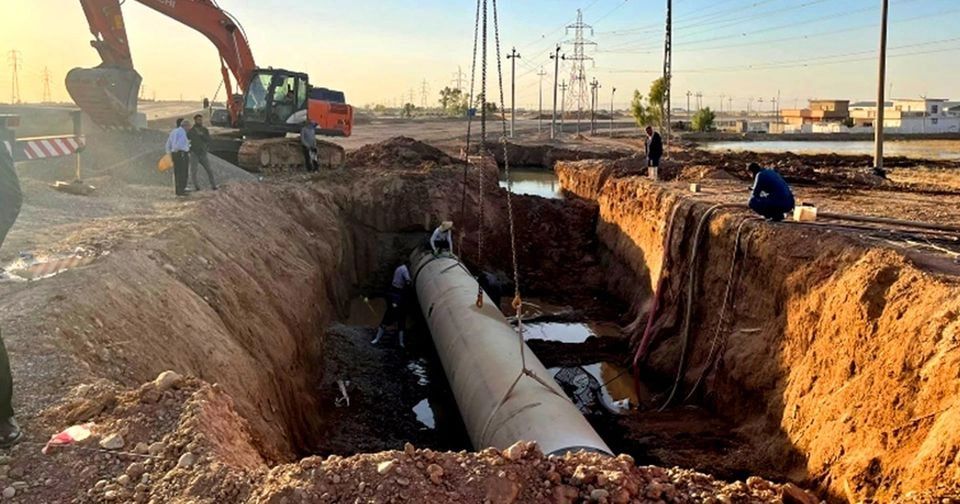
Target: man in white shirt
(396, 304)
(178, 146)
(442, 238)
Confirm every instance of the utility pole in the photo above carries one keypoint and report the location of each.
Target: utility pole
(668, 66)
(881, 82)
(721, 105)
(555, 56)
(730, 104)
(45, 79)
(540, 74)
(699, 101)
(513, 57)
(689, 94)
(563, 102)
(613, 91)
(14, 57)
(594, 89)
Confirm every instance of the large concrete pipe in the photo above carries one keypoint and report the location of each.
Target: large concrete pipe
(481, 356)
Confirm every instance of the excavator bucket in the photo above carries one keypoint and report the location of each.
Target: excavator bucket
(108, 95)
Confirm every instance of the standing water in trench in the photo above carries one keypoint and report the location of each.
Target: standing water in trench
(535, 181)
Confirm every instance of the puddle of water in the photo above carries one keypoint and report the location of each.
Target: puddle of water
(566, 332)
(599, 384)
(533, 181)
(425, 415)
(419, 369)
(929, 149)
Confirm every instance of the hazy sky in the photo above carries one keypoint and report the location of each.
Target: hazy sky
(377, 51)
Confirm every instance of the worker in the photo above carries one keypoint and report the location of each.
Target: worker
(308, 141)
(199, 137)
(178, 146)
(770, 195)
(442, 238)
(10, 200)
(654, 148)
(396, 304)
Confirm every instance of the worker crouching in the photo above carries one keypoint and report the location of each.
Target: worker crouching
(442, 238)
(770, 196)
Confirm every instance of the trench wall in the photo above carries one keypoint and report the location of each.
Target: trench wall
(839, 361)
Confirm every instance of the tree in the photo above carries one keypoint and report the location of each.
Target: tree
(408, 109)
(449, 97)
(658, 101)
(703, 120)
(639, 110)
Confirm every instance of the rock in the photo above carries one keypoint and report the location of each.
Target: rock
(123, 480)
(501, 491)
(9, 492)
(4, 459)
(135, 470)
(598, 494)
(335, 479)
(409, 449)
(385, 467)
(110, 495)
(169, 268)
(112, 442)
(167, 380)
(141, 448)
(564, 494)
(157, 448)
(581, 476)
(792, 494)
(403, 482)
(436, 473)
(517, 450)
(187, 460)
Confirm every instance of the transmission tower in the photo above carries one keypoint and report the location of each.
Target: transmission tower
(14, 57)
(578, 79)
(424, 92)
(458, 77)
(668, 66)
(45, 79)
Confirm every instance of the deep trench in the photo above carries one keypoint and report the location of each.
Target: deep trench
(399, 395)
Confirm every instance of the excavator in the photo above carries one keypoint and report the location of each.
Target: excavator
(263, 105)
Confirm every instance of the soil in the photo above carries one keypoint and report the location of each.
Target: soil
(838, 371)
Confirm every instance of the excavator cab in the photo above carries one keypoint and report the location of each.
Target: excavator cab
(275, 103)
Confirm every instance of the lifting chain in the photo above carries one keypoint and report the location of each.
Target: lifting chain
(466, 151)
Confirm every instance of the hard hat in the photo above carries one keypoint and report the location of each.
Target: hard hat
(446, 225)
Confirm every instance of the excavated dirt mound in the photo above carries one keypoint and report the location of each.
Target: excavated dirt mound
(837, 359)
(398, 151)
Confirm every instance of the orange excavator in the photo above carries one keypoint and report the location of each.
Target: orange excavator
(263, 104)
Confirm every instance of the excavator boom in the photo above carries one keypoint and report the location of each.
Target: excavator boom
(109, 92)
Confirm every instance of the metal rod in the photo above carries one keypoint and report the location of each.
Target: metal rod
(881, 83)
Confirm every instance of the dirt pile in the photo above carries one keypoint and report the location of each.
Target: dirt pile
(398, 151)
(837, 359)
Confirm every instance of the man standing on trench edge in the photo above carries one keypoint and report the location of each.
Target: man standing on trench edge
(178, 146)
(770, 195)
(654, 149)
(199, 137)
(10, 201)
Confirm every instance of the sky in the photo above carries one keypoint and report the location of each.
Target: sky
(385, 51)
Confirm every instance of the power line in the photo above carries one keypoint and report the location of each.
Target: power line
(45, 81)
(15, 59)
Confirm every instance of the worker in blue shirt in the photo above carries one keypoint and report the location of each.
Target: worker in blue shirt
(770, 196)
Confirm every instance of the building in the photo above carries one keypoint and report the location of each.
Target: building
(910, 116)
(819, 111)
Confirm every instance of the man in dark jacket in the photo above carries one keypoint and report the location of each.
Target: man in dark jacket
(770, 196)
(10, 200)
(199, 137)
(654, 148)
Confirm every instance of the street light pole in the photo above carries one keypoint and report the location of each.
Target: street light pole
(556, 72)
(513, 56)
(613, 91)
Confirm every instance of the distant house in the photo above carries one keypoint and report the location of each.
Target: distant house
(819, 111)
(910, 116)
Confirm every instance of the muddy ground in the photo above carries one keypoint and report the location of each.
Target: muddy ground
(251, 324)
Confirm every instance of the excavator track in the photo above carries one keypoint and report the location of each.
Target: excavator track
(284, 155)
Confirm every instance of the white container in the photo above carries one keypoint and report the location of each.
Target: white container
(805, 213)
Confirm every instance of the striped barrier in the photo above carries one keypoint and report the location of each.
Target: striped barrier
(32, 149)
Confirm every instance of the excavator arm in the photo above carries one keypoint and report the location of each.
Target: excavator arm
(109, 92)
